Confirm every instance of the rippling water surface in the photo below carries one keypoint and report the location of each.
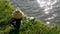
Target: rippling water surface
(45, 10)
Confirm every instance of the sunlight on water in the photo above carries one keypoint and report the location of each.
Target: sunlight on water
(52, 17)
(48, 22)
(47, 6)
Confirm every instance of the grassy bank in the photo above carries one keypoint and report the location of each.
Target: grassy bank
(28, 26)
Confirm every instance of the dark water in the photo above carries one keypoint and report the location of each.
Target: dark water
(45, 10)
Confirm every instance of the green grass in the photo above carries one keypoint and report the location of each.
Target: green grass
(28, 26)
(5, 15)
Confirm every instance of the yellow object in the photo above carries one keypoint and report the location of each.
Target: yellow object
(18, 15)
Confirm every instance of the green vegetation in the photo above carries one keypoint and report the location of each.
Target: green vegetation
(28, 26)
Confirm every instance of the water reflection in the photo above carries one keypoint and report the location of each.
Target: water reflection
(47, 6)
(47, 22)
